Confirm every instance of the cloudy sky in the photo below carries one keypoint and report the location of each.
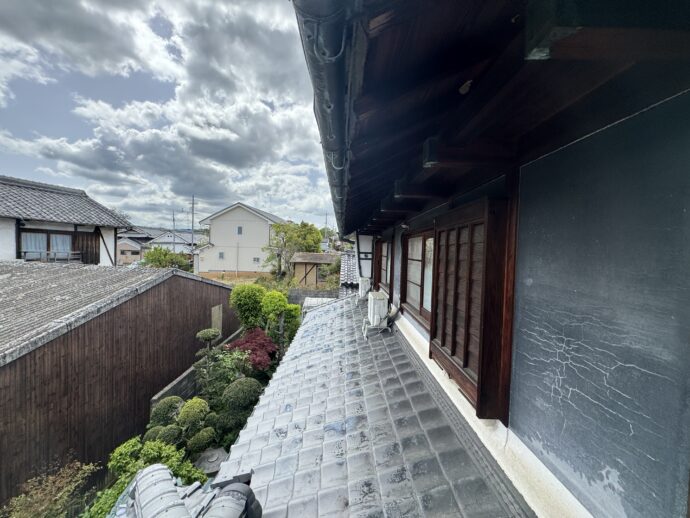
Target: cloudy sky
(144, 103)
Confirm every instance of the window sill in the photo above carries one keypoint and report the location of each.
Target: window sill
(406, 309)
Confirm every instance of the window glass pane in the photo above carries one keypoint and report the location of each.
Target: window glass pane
(388, 266)
(414, 248)
(428, 272)
(239, 231)
(414, 272)
(412, 297)
(60, 243)
(33, 243)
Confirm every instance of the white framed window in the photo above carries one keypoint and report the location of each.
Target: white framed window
(239, 230)
(221, 255)
(257, 260)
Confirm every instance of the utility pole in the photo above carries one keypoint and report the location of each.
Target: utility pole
(174, 232)
(192, 222)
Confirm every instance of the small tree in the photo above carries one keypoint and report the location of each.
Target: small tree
(259, 346)
(287, 239)
(159, 257)
(208, 336)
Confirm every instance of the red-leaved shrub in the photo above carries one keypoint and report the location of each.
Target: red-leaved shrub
(259, 346)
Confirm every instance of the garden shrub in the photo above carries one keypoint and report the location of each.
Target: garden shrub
(124, 457)
(207, 336)
(153, 433)
(293, 316)
(273, 305)
(192, 414)
(211, 419)
(246, 301)
(130, 457)
(171, 434)
(202, 440)
(242, 394)
(230, 438)
(52, 494)
(165, 411)
(217, 368)
(259, 346)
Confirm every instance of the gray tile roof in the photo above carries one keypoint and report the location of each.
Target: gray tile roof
(349, 276)
(44, 202)
(41, 301)
(349, 427)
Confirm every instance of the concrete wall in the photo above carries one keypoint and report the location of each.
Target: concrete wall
(238, 251)
(602, 324)
(8, 239)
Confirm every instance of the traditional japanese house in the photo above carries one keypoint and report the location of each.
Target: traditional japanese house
(515, 175)
(51, 223)
(306, 267)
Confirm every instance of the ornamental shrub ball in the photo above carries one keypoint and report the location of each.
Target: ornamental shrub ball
(211, 420)
(201, 440)
(246, 301)
(260, 347)
(153, 433)
(171, 434)
(192, 414)
(241, 394)
(165, 411)
(208, 335)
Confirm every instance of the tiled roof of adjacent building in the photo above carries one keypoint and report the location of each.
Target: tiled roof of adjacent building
(41, 301)
(349, 427)
(348, 269)
(27, 200)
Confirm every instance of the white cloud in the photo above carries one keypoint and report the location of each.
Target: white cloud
(240, 125)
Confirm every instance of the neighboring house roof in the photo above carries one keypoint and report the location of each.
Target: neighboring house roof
(355, 427)
(271, 218)
(23, 199)
(41, 301)
(131, 242)
(349, 276)
(313, 258)
(142, 232)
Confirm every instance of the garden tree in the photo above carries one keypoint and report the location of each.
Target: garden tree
(159, 257)
(287, 239)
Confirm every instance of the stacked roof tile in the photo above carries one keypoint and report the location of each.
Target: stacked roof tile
(22, 199)
(349, 276)
(349, 427)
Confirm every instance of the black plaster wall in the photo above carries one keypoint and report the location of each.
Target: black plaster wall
(602, 324)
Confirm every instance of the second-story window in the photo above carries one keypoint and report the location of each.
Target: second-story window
(221, 255)
(239, 231)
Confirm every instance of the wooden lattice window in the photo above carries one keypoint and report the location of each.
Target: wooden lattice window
(418, 271)
(468, 303)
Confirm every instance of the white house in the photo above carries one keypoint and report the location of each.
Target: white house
(43, 222)
(179, 242)
(237, 236)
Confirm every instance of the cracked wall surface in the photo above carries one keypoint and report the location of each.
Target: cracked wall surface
(602, 323)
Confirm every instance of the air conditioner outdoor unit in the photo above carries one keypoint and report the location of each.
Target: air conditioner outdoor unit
(364, 286)
(377, 308)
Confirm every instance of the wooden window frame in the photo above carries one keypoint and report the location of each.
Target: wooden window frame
(490, 392)
(421, 315)
(380, 283)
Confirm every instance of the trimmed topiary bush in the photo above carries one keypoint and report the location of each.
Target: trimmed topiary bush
(201, 440)
(165, 411)
(273, 305)
(192, 414)
(171, 434)
(211, 419)
(217, 368)
(241, 394)
(206, 336)
(153, 433)
(246, 301)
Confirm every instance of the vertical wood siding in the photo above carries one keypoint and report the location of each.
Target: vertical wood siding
(87, 391)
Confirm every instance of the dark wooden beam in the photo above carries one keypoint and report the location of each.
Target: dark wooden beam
(435, 155)
(402, 190)
(614, 44)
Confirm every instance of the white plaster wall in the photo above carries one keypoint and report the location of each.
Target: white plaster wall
(365, 245)
(109, 238)
(542, 491)
(238, 250)
(8, 239)
(66, 227)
